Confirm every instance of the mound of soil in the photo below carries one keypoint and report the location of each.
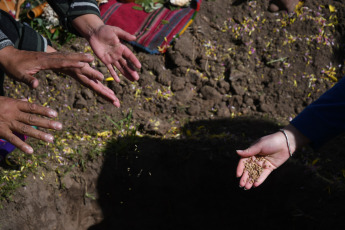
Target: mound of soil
(238, 73)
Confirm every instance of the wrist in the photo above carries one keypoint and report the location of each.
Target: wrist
(5, 56)
(296, 138)
(87, 25)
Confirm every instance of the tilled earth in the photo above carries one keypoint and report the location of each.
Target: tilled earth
(238, 73)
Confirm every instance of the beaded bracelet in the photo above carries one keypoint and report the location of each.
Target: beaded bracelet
(287, 140)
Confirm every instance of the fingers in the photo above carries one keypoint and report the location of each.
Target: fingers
(32, 132)
(100, 89)
(16, 141)
(113, 73)
(251, 151)
(127, 69)
(92, 73)
(123, 34)
(36, 109)
(28, 115)
(57, 61)
(128, 55)
(262, 177)
(33, 120)
(240, 167)
(244, 179)
(31, 81)
(252, 176)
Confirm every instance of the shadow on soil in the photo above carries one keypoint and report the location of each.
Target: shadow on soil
(149, 183)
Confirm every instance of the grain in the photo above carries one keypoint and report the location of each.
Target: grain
(254, 166)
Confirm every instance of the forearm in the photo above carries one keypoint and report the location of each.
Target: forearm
(296, 139)
(5, 53)
(68, 11)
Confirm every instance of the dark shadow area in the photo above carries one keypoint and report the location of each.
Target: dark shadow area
(238, 2)
(150, 183)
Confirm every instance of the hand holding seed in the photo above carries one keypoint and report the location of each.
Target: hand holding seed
(260, 159)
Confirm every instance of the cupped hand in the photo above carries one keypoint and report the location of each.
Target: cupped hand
(275, 152)
(23, 65)
(91, 78)
(17, 116)
(106, 44)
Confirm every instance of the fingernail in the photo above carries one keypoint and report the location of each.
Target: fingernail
(49, 138)
(81, 64)
(52, 113)
(57, 126)
(28, 149)
(117, 104)
(245, 189)
(240, 186)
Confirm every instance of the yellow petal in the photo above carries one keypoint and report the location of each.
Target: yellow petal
(109, 79)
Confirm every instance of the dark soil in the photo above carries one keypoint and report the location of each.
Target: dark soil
(238, 73)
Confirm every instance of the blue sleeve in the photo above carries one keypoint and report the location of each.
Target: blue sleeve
(324, 118)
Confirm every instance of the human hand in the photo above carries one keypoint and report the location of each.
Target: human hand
(273, 147)
(22, 65)
(105, 42)
(18, 116)
(269, 152)
(90, 78)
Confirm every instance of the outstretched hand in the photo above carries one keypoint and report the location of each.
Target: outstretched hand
(91, 78)
(17, 116)
(23, 65)
(105, 42)
(269, 152)
(273, 147)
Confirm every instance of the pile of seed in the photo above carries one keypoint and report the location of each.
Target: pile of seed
(253, 167)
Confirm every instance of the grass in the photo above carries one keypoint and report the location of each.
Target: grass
(60, 157)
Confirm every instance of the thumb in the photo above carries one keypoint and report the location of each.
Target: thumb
(124, 35)
(251, 151)
(32, 82)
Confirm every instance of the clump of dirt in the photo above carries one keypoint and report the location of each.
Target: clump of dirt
(239, 72)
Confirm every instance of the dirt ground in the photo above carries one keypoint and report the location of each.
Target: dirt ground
(238, 73)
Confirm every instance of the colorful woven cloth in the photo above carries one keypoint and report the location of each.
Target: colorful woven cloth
(156, 30)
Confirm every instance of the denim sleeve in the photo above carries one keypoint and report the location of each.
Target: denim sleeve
(324, 119)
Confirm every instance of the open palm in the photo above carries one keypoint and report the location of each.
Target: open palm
(107, 46)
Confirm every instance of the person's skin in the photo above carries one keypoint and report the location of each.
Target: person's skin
(19, 116)
(275, 150)
(22, 65)
(105, 41)
(90, 78)
(288, 5)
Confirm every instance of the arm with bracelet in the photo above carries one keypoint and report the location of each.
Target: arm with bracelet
(315, 125)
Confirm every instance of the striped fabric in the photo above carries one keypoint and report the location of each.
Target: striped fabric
(4, 40)
(156, 30)
(68, 10)
(21, 35)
